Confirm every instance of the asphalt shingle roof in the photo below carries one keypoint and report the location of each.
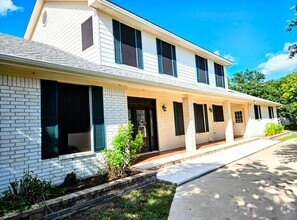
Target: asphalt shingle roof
(45, 55)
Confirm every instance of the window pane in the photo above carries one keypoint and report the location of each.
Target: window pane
(202, 69)
(219, 73)
(74, 119)
(128, 45)
(199, 118)
(218, 114)
(167, 58)
(87, 33)
(178, 118)
(256, 109)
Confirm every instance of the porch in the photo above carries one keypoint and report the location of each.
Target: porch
(157, 160)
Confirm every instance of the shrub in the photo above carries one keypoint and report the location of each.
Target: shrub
(273, 128)
(125, 150)
(26, 192)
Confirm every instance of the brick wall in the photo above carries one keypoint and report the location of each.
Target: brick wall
(20, 136)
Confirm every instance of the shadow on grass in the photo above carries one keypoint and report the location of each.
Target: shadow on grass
(152, 202)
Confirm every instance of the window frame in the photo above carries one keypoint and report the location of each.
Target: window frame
(50, 110)
(271, 112)
(215, 109)
(257, 111)
(219, 75)
(178, 118)
(160, 55)
(87, 35)
(198, 69)
(118, 46)
(202, 107)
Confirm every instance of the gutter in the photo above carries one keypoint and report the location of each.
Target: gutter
(106, 73)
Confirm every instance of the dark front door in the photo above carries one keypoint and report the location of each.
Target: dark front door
(142, 114)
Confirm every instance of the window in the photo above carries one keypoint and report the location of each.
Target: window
(257, 109)
(202, 69)
(271, 112)
(127, 45)
(65, 118)
(178, 118)
(166, 58)
(218, 113)
(220, 76)
(238, 117)
(87, 33)
(201, 118)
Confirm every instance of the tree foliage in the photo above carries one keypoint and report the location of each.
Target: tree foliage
(283, 90)
(293, 48)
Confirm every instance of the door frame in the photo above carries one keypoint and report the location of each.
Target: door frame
(136, 103)
(238, 109)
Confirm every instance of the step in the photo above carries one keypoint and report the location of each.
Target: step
(182, 157)
(181, 173)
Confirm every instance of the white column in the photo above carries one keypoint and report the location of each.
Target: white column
(229, 124)
(190, 134)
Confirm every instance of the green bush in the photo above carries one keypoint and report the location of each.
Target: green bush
(26, 192)
(125, 150)
(273, 128)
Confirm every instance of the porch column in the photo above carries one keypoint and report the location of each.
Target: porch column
(190, 134)
(247, 116)
(228, 124)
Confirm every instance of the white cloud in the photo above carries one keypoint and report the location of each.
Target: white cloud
(279, 62)
(7, 6)
(227, 56)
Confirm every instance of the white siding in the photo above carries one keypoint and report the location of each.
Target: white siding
(186, 66)
(63, 28)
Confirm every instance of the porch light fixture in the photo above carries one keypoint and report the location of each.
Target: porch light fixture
(164, 108)
(210, 109)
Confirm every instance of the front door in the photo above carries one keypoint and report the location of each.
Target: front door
(238, 123)
(141, 112)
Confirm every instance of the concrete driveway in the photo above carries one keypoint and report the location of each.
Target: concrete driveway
(261, 186)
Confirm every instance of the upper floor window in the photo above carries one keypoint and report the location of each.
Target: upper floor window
(201, 118)
(127, 45)
(257, 110)
(87, 33)
(166, 58)
(202, 69)
(271, 112)
(220, 76)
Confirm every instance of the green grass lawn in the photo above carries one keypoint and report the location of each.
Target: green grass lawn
(288, 137)
(152, 202)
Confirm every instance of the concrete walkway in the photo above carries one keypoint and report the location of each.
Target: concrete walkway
(181, 173)
(260, 186)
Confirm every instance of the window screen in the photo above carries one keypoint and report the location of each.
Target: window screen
(218, 113)
(219, 74)
(178, 118)
(202, 69)
(87, 33)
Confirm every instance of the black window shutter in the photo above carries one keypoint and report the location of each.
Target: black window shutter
(139, 49)
(176, 121)
(197, 68)
(49, 119)
(160, 56)
(260, 112)
(117, 41)
(174, 67)
(206, 118)
(196, 118)
(269, 111)
(87, 33)
(98, 118)
(206, 71)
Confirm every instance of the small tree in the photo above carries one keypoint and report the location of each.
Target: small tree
(293, 48)
(125, 150)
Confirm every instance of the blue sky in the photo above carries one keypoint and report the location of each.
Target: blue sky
(249, 32)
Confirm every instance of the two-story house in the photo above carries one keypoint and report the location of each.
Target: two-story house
(87, 67)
